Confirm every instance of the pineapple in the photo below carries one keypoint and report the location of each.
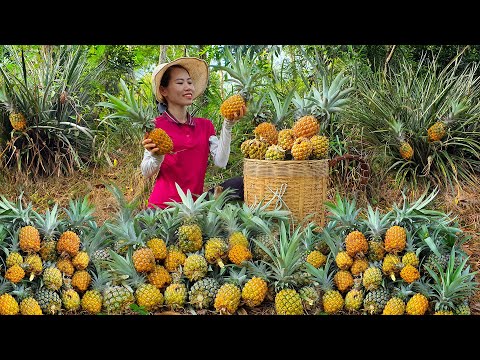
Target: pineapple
(216, 251)
(391, 265)
(316, 258)
(372, 277)
(29, 239)
(49, 301)
(412, 253)
(116, 299)
(344, 213)
(396, 304)
(306, 124)
(244, 73)
(302, 148)
(159, 248)
(417, 305)
(8, 304)
(320, 144)
(409, 273)
(15, 115)
(65, 266)
(12, 252)
(195, 267)
(395, 239)
(160, 138)
(27, 303)
(255, 289)
(202, 293)
(228, 297)
(376, 300)
(175, 258)
(285, 262)
(236, 235)
(286, 138)
(81, 280)
(159, 277)
(175, 295)
(190, 238)
(343, 280)
(267, 132)
(354, 299)
(275, 152)
(15, 273)
(376, 225)
(405, 149)
(452, 286)
(239, 253)
(81, 260)
(68, 243)
(52, 277)
(33, 264)
(438, 130)
(18, 121)
(310, 296)
(359, 265)
(254, 149)
(70, 299)
(356, 243)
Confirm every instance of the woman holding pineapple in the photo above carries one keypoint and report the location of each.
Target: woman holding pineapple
(179, 154)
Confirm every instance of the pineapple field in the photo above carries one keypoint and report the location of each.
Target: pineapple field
(397, 232)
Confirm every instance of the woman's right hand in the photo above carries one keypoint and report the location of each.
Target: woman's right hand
(149, 145)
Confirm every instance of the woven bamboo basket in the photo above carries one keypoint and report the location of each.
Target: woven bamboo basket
(299, 186)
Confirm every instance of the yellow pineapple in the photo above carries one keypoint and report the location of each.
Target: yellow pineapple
(195, 267)
(29, 239)
(372, 277)
(159, 277)
(70, 299)
(354, 299)
(320, 144)
(254, 149)
(30, 306)
(275, 152)
(286, 138)
(52, 277)
(237, 254)
(288, 302)
(438, 130)
(359, 265)
(12, 252)
(227, 299)
(81, 260)
(175, 295)
(343, 280)
(306, 126)
(255, 289)
(64, 264)
(302, 148)
(316, 258)
(267, 132)
(174, 259)
(161, 139)
(143, 259)
(33, 264)
(81, 280)
(190, 238)
(409, 273)
(395, 239)
(68, 243)
(216, 250)
(394, 306)
(8, 304)
(343, 260)
(92, 299)
(417, 305)
(17, 120)
(406, 150)
(15, 273)
(158, 247)
(356, 243)
(391, 265)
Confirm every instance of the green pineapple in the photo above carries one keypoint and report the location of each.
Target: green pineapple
(49, 300)
(376, 300)
(175, 295)
(202, 293)
(195, 267)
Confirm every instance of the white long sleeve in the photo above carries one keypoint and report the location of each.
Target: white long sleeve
(151, 163)
(220, 147)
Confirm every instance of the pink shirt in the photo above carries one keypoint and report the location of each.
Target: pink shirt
(188, 164)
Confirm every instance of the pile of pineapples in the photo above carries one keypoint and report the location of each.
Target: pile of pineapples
(208, 255)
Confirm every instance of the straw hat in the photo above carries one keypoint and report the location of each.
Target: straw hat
(197, 68)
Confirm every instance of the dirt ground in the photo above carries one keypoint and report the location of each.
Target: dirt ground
(43, 193)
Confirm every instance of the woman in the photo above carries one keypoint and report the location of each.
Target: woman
(176, 84)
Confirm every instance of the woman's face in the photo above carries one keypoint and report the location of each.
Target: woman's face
(180, 88)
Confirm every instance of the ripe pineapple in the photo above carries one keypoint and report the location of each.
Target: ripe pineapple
(275, 152)
(395, 239)
(190, 238)
(216, 251)
(239, 253)
(254, 149)
(195, 267)
(372, 277)
(255, 289)
(406, 151)
(320, 145)
(70, 299)
(316, 258)
(343, 260)
(354, 299)
(417, 305)
(302, 148)
(159, 248)
(438, 130)
(202, 293)
(175, 295)
(52, 277)
(68, 243)
(356, 243)
(29, 239)
(12, 252)
(359, 265)
(65, 266)
(8, 304)
(236, 235)
(409, 273)
(412, 253)
(396, 304)
(18, 121)
(391, 265)
(33, 264)
(175, 258)
(81, 280)
(15, 273)
(288, 302)
(377, 224)
(343, 280)
(267, 132)
(306, 124)
(27, 303)
(159, 277)
(286, 138)
(244, 73)
(160, 138)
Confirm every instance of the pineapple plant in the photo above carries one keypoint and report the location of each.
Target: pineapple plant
(27, 303)
(404, 148)
(48, 224)
(244, 73)
(92, 298)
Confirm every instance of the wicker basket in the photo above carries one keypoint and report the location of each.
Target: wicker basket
(300, 186)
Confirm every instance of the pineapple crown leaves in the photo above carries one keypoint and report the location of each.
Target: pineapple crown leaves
(304, 105)
(259, 269)
(281, 106)
(322, 275)
(331, 237)
(96, 239)
(331, 99)
(376, 223)
(262, 211)
(344, 212)
(230, 218)
(48, 223)
(127, 231)
(126, 209)
(130, 109)
(188, 208)
(453, 284)
(5, 285)
(242, 69)
(235, 274)
(17, 214)
(123, 268)
(80, 213)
